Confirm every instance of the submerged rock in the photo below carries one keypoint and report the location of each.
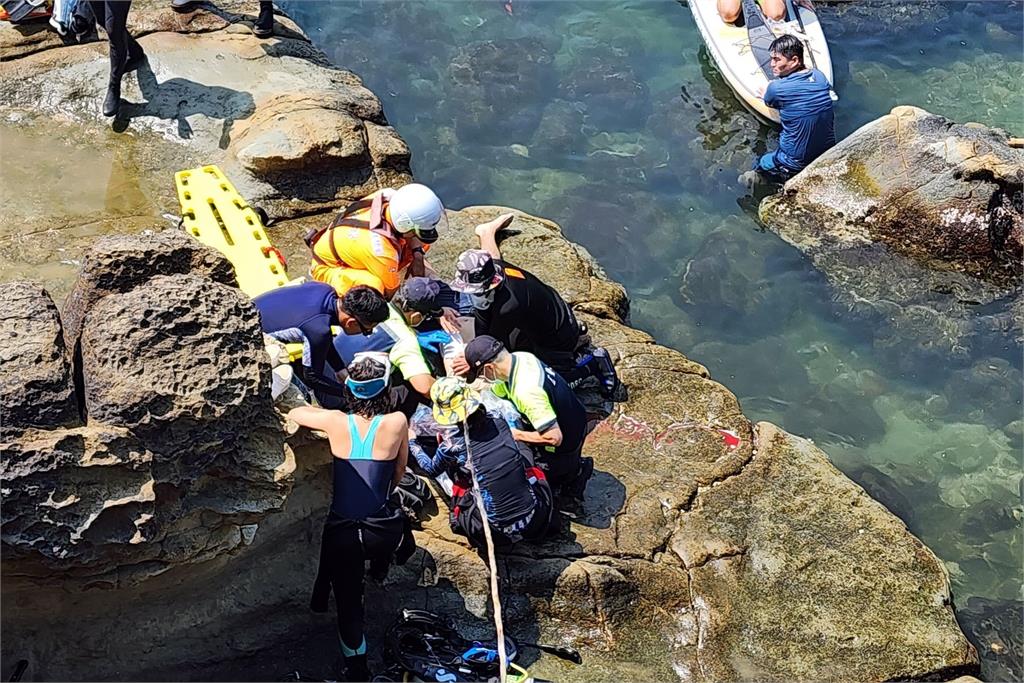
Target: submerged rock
(918, 223)
(498, 83)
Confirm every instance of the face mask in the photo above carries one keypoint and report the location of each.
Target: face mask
(482, 301)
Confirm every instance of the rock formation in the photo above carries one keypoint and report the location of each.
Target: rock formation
(710, 549)
(173, 534)
(917, 222)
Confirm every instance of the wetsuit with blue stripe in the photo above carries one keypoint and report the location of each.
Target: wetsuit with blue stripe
(305, 313)
(364, 523)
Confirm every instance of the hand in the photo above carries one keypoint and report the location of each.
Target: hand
(760, 91)
(459, 365)
(341, 376)
(450, 321)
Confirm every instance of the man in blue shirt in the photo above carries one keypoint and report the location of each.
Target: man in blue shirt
(803, 98)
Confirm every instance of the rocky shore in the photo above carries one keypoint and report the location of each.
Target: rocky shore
(161, 520)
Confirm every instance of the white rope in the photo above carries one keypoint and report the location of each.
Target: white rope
(492, 561)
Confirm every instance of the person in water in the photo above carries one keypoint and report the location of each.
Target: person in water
(803, 98)
(516, 494)
(731, 10)
(305, 313)
(371, 448)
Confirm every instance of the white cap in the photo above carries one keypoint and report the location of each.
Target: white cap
(415, 207)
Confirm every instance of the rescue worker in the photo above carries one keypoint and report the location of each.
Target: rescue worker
(377, 239)
(433, 310)
(305, 314)
(515, 494)
(557, 419)
(525, 314)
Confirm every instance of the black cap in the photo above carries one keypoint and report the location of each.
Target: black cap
(479, 352)
(421, 294)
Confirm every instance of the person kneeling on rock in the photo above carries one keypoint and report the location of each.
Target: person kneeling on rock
(370, 446)
(516, 495)
(305, 314)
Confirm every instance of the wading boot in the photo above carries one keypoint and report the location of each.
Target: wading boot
(264, 27)
(112, 102)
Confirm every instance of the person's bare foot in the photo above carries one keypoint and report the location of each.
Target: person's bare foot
(495, 226)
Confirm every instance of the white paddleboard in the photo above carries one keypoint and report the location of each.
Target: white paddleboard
(730, 49)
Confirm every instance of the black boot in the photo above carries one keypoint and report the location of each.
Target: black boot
(112, 102)
(357, 669)
(265, 21)
(136, 55)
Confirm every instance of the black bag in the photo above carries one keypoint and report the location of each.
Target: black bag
(412, 493)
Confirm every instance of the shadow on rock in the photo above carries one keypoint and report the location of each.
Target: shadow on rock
(178, 98)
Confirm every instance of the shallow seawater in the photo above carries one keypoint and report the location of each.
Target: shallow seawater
(608, 118)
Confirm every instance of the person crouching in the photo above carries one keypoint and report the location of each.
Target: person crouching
(516, 495)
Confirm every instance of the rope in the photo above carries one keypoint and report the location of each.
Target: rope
(491, 560)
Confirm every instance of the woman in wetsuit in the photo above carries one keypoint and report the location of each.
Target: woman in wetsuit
(370, 444)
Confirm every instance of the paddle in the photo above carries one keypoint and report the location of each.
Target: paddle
(759, 35)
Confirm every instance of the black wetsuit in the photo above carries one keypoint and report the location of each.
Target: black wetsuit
(364, 524)
(528, 315)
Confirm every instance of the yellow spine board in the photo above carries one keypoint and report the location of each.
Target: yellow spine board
(215, 214)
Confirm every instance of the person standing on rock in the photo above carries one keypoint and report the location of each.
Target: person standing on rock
(377, 239)
(557, 419)
(262, 28)
(125, 52)
(525, 314)
(365, 523)
(804, 100)
(305, 314)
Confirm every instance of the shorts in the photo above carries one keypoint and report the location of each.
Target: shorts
(770, 167)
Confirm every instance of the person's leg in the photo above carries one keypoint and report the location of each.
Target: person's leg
(346, 559)
(488, 234)
(264, 27)
(729, 10)
(114, 15)
(774, 9)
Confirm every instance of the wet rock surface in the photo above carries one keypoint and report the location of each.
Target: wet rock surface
(36, 388)
(664, 575)
(204, 96)
(918, 224)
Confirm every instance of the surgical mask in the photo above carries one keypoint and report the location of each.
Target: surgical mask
(482, 301)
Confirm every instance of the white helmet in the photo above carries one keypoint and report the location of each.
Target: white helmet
(415, 208)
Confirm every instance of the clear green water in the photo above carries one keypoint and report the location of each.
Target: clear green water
(608, 118)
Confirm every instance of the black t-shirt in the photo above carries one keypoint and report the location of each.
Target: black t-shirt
(528, 315)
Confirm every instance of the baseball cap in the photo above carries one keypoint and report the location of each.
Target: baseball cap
(476, 272)
(479, 352)
(420, 294)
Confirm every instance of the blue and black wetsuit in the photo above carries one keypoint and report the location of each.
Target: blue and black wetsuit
(518, 505)
(305, 313)
(364, 523)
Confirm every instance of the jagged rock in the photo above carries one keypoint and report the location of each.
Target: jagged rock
(120, 263)
(917, 222)
(36, 387)
(179, 350)
(182, 449)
